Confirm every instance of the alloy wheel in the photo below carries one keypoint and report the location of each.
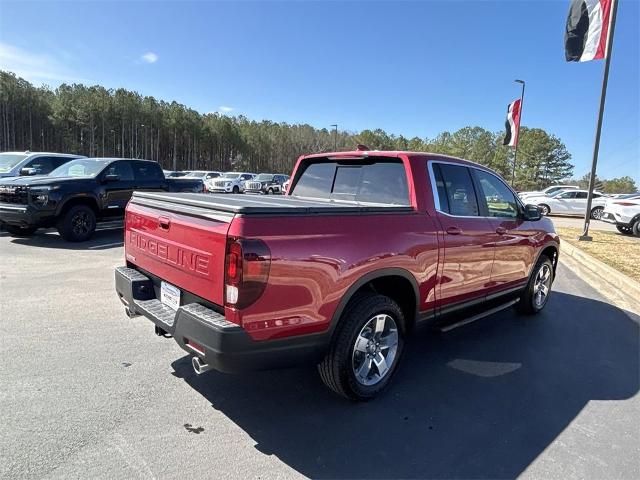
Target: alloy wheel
(375, 348)
(81, 223)
(542, 286)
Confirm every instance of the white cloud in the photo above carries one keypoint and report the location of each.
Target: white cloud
(149, 57)
(36, 67)
(225, 109)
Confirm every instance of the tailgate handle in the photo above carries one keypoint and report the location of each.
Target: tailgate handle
(164, 222)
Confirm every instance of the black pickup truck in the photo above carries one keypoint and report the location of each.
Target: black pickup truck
(79, 193)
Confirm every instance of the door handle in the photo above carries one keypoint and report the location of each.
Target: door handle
(454, 230)
(501, 230)
(164, 222)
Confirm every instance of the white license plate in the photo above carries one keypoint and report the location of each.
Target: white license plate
(170, 295)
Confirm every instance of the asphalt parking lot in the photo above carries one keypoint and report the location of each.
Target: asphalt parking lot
(87, 392)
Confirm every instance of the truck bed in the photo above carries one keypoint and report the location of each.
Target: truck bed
(192, 203)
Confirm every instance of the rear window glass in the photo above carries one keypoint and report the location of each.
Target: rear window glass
(381, 182)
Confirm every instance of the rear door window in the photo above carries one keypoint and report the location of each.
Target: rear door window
(147, 171)
(455, 190)
(382, 182)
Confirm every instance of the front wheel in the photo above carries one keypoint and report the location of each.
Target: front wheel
(635, 228)
(596, 213)
(366, 349)
(18, 231)
(625, 229)
(537, 292)
(78, 224)
(236, 189)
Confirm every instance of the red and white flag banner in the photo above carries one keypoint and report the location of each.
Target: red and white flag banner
(587, 33)
(512, 125)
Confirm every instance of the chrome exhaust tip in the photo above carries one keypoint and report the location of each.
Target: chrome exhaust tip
(199, 366)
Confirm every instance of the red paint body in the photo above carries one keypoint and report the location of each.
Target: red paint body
(315, 259)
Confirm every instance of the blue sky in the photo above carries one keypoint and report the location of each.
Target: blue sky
(411, 68)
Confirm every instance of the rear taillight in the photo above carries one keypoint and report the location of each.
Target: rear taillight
(625, 204)
(246, 271)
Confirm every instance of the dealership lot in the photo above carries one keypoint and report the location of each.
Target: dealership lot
(88, 392)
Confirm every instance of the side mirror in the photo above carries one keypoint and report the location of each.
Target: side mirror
(28, 171)
(111, 178)
(532, 212)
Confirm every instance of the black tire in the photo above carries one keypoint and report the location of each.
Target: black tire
(270, 191)
(337, 368)
(635, 228)
(596, 213)
(544, 209)
(625, 229)
(236, 189)
(78, 224)
(18, 231)
(528, 303)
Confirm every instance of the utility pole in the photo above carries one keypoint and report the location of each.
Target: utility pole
(515, 153)
(335, 137)
(596, 144)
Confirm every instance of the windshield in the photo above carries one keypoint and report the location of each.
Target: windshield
(80, 168)
(264, 177)
(196, 174)
(556, 193)
(231, 175)
(10, 160)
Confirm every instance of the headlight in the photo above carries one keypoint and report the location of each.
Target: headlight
(40, 195)
(227, 184)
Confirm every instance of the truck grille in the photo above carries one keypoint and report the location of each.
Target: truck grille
(254, 185)
(219, 183)
(15, 195)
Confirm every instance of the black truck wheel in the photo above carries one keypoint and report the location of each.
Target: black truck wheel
(18, 231)
(366, 348)
(537, 292)
(78, 224)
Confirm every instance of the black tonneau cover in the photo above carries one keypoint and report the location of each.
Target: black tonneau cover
(255, 205)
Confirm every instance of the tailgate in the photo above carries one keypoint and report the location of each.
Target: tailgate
(182, 248)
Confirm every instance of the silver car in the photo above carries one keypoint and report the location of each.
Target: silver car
(15, 164)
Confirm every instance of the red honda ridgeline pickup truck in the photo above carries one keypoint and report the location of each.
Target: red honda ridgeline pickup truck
(365, 246)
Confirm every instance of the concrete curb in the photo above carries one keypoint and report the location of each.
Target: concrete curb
(601, 273)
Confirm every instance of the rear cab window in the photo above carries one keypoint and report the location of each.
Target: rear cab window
(376, 180)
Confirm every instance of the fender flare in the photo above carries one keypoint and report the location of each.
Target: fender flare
(61, 206)
(366, 278)
(539, 254)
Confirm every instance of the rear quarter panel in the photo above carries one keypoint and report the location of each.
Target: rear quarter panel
(316, 259)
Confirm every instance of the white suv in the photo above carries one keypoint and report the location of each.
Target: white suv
(547, 191)
(230, 182)
(624, 213)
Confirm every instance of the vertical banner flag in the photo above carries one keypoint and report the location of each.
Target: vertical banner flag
(512, 125)
(587, 30)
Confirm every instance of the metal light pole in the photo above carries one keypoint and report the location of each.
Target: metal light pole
(145, 140)
(596, 145)
(515, 153)
(335, 137)
(114, 141)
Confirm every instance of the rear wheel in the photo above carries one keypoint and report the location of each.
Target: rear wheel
(78, 224)
(596, 213)
(537, 292)
(544, 209)
(366, 349)
(18, 231)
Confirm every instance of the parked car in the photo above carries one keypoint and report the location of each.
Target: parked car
(570, 202)
(174, 173)
(15, 164)
(547, 191)
(624, 213)
(266, 183)
(203, 174)
(230, 182)
(285, 186)
(366, 246)
(77, 194)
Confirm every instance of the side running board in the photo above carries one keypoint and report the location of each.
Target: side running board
(478, 316)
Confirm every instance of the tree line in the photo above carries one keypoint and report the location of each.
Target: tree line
(95, 121)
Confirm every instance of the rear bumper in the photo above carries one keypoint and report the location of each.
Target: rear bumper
(25, 215)
(207, 334)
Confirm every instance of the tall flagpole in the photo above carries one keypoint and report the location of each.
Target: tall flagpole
(515, 153)
(596, 145)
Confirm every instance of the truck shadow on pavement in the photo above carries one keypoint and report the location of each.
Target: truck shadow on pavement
(103, 238)
(482, 401)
